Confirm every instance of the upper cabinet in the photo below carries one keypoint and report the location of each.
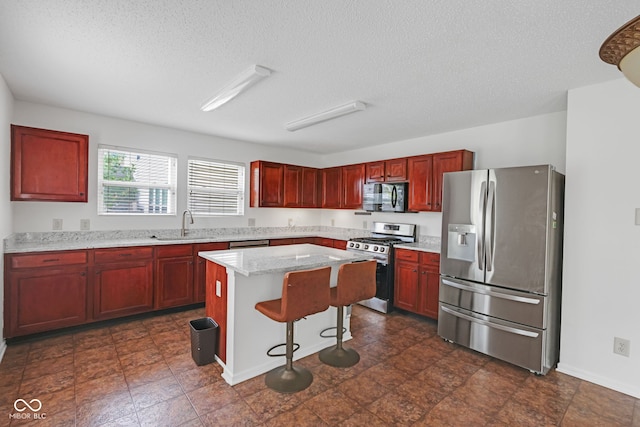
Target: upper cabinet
(267, 184)
(352, 182)
(425, 177)
(394, 170)
(278, 185)
(48, 165)
(341, 187)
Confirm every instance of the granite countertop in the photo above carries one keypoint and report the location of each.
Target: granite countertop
(429, 246)
(280, 259)
(62, 241)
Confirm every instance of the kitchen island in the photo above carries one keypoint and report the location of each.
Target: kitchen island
(238, 279)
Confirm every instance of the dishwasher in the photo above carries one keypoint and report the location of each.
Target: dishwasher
(248, 244)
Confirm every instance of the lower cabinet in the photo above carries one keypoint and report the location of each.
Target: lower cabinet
(122, 282)
(174, 276)
(417, 282)
(45, 299)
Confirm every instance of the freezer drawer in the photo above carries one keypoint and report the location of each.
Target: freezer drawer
(513, 343)
(520, 307)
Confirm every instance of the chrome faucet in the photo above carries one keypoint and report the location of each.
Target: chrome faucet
(183, 230)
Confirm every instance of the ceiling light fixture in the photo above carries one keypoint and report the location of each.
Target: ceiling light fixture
(622, 48)
(247, 78)
(333, 113)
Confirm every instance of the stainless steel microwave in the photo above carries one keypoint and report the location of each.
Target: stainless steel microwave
(379, 197)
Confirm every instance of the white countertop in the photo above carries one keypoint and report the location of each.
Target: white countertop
(275, 259)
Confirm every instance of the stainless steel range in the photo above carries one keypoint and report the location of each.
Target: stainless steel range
(380, 244)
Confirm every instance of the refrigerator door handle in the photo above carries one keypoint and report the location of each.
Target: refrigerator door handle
(482, 213)
(491, 293)
(490, 225)
(490, 324)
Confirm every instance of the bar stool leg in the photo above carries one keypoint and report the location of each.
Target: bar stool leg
(337, 355)
(288, 378)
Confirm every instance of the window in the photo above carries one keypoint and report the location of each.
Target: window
(136, 182)
(215, 187)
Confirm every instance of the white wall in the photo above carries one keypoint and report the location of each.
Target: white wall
(38, 216)
(601, 285)
(529, 141)
(6, 225)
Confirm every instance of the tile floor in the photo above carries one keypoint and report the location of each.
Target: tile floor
(141, 373)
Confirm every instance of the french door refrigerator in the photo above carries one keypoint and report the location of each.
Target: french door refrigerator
(501, 260)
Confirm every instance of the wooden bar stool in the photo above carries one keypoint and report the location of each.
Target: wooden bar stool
(356, 282)
(304, 293)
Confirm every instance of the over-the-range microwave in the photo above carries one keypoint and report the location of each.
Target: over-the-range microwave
(380, 197)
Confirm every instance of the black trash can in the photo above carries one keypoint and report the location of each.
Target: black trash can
(204, 335)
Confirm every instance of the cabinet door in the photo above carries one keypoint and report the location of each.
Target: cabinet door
(216, 306)
(200, 277)
(420, 182)
(310, 188)
(352, 182)
(267, 184)
(396, 170)
(48, 165)
(174, 282)
(332, 188)
(375, 171)
(429, 284)
(121, 289)
(452, 161)
(406, 286)
(46, 299)
(292, 186)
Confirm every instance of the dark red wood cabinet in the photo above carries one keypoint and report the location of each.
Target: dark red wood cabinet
(417, 281)
(45, 291)
(122, 282)
(331, 188)
(174, 276)
(267, 184)
(393, 170)
(352, 182)
(425, 177)
(48, 165)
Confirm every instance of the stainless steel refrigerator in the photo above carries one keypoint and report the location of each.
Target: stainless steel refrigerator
(501, 261)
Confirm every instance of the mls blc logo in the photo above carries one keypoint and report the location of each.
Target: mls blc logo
(21, 405)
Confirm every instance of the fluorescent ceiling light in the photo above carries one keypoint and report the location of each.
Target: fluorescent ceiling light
(251, 75)
(333, 113)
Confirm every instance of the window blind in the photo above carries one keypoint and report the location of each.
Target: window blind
(215, 187)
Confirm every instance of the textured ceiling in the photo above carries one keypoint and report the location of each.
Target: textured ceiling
(422, 67)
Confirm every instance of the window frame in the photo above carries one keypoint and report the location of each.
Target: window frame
(239, 192)
(171, 185)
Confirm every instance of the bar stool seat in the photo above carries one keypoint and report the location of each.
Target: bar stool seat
(356, 282)
(304, 293)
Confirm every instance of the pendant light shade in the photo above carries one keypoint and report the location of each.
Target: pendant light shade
(622, 49)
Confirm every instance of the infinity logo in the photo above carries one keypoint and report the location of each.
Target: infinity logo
(27, 405)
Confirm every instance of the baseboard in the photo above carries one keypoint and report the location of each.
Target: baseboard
(629, 389)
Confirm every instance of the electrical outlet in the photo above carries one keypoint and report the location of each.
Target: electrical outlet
(621, 346)
(56, 224)
(85, 224)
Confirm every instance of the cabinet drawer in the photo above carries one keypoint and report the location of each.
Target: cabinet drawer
(430, 258)
(173, 251)
(48, 259)
(407, 255)
(122, 254)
